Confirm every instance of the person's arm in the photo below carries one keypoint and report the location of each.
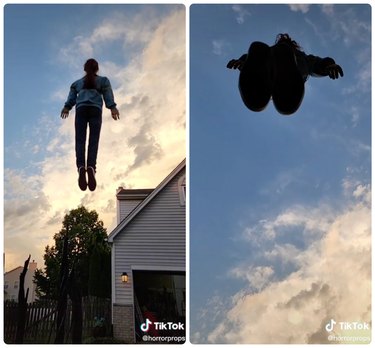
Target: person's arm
(70, 102)
(237, 63)
(107, 92)
(324, 67)
(109, 99)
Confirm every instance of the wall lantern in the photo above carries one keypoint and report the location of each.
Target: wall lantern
(124, 277)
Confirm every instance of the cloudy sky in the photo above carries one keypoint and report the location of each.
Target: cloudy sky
(142, 50)
(279, 206)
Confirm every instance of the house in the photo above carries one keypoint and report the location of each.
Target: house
(12, 283)
(148, 260)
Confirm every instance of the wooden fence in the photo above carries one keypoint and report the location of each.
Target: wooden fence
(41, 320)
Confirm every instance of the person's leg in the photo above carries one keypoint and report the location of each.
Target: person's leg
(80, 138)
(81, 130)
(254, 79)
(95, 123)
(288, 85)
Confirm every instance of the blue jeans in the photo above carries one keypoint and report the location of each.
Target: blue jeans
(91, 116)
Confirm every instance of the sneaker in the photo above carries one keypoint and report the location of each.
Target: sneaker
(91, 178)
(255, 80)
(288, 89)
(82, 183)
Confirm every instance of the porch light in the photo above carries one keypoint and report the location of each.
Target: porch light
(124, 277)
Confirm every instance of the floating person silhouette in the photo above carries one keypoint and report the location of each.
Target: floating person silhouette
(87, 94)
(279, 72)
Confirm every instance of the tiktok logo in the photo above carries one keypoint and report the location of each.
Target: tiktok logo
(160, 326)
(145, 326)
(330, 325)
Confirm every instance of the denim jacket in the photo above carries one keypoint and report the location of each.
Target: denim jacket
(91, 97)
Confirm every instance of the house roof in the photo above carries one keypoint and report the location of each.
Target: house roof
(128, 194)
(14, 269)
(146, 201)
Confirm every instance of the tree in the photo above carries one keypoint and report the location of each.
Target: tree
(62, 294)
(98, 284)
(22, 304)
(88, 254)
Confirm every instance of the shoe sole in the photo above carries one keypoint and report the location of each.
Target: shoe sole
(254, 80)
(289, 88)
(82, 183)
(91, 179)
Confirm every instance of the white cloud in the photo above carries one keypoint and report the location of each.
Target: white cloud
(362, 192)
(130, 31)
(346, 26)
(137, 151)
(304, 8)
(332, 279)
(258, 277)
(362, 75)
(25, 206)
(342, 25)
(219, 47)
(284, 180)
(355, 116)
(241, 13)
(307, 221)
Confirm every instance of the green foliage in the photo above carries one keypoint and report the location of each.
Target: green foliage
(88, 252)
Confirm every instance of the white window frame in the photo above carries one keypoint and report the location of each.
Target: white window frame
(182, 189)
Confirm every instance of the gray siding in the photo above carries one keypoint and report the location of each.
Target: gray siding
(126, 206)
(154, 238)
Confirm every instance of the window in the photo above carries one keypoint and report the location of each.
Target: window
(182, 189)
(16, 284)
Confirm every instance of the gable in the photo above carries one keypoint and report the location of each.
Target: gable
(161, 219)
(160, 200)
(128, 200)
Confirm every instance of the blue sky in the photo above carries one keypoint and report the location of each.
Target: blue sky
(142, 50)
(273, 197)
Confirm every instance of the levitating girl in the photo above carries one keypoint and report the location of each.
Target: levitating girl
(87, 95)
(279, 72)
